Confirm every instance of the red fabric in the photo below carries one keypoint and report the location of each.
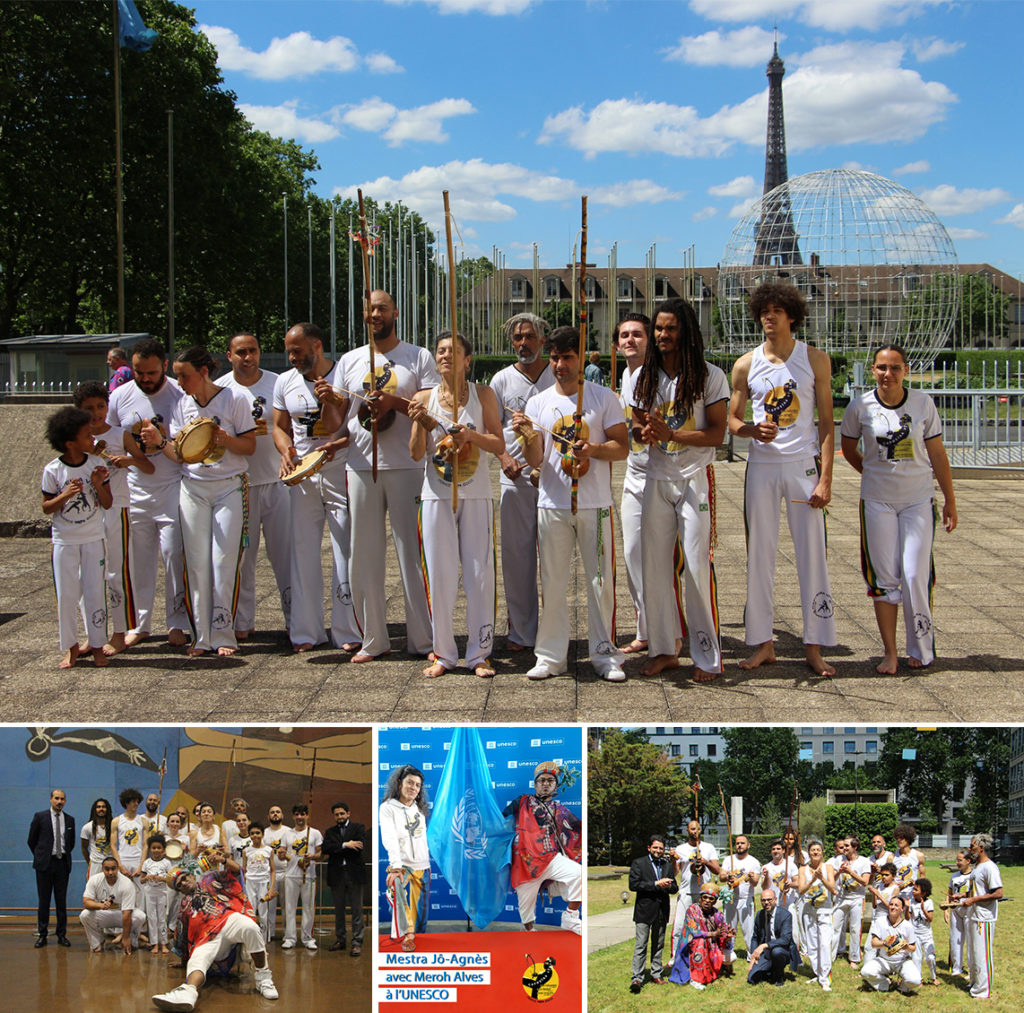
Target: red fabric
(535, 845)
(218, 894)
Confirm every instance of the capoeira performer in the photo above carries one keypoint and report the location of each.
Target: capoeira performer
(954, 914)
(128, 834)
(681, 403)
(110, 902)
(590, 530)
(298, 879)
(96, 836)
(894, 942)
(153, 511)
(982, 910)
(909, 861)
(816, 886)
(881, 894)
(307, 419)
(212, 504)
(852, 876)
(514, 386)
(403, 834)
(922, 912)
(789, 459)
(269, 503)
(277, 837)
(260, 876)
(466, 536)
(740, 873)
(902, 451)
(121, 452)
(546, 849)
(697, 861)
(215, 916)
(153, 880)
(401, 370)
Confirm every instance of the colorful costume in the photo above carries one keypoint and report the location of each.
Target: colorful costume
(699, 957)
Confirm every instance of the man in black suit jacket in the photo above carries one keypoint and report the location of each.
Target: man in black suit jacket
(343, 845)
(651, 879)
(51, 839)
(772, 946)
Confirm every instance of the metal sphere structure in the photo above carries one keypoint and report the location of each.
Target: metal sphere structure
(872, 259)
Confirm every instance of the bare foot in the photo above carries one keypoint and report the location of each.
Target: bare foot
(176, 638)
(514, 647)
(635, 647)
(244, 634)
(115, 645)
(70, 657)
(352, 646)
(888, 665)
(197, 652)
(916, 663)
(660, 663)
(154, 948)
(131, 639)
(483, 670)
(433, 671)
(764, 655)
(302, 648)
(812, 654)
(99, 657)
(701, 675)
(226, 652)
(164, 949)
(360, 657)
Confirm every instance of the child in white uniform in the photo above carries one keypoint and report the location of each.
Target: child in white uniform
(154, 893)
(260, 876)
(922, 911)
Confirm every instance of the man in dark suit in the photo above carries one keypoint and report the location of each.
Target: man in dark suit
(651, 879)
(51, 839)
(343, 845)
(772, 946)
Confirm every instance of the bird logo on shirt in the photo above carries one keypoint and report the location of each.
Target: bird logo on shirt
(782, 405)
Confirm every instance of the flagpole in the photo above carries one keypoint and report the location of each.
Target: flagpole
(118, 187)
(170, 229)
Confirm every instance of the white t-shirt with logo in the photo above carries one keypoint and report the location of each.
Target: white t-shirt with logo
(80, 519)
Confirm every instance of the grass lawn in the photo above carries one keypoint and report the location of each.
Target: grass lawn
(605, 894)
(608, 971)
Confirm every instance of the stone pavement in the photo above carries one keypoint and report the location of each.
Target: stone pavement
(978, 618)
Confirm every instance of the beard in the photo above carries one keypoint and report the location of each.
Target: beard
(527, 358)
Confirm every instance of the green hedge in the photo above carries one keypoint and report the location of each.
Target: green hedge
(863, 819)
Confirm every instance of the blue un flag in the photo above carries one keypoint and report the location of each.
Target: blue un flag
(469, 839)
(134, 33)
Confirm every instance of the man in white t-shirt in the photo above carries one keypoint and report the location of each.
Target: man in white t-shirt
(599, 437)
(697, 861)
(269, 503)
(109, 903)
(853, 872)
(297, 881)
(982, 910)
(278, 838)
(742, 872)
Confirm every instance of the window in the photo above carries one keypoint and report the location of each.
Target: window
(675, 749)
(871, 731)
(591, 287)
(829, 731)
(552, 288)
(850, 731)
(624, 286)
(518, 288)
(659, 730)
(871, 746)
(712, 731)
(806, 745)
(712, 749)
(677, 730)
(849, 747)
(828, 748)
(694, 749)
(661, 287)
(806, 731)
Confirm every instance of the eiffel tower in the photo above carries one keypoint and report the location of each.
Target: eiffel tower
(776, 241)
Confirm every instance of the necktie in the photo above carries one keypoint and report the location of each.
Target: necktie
(58, 836)
(771, 927)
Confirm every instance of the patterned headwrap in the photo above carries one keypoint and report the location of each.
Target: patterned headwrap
(549, 767)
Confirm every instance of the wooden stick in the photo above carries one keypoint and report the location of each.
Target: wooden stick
(577, 418)
(309, 809)
(728, 824)
(231, 763)
(364, 243)
(455, 373)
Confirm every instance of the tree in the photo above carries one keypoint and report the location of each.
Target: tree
(633, 791)
(759, 765)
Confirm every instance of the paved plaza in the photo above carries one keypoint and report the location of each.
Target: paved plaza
(979, 623)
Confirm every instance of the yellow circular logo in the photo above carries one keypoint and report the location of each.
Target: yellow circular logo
(540, 981)
(782, 405)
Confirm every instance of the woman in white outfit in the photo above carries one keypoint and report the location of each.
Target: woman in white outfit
(212, 501)
(206, 835)
(403, 833)
(816, 885)
(902, 451)
(465, 535)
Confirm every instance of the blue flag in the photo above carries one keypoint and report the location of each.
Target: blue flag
(469, 839)
(134, 34)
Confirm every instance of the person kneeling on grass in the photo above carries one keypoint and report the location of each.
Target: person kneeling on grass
(893, 940)
(698, 960)
(215, 915)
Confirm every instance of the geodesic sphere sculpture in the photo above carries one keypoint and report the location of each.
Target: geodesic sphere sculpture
(872, 259)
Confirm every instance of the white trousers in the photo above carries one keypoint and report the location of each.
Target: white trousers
(448, 539)
(519, 560)
(980, 956)
(78, 576)
(632, 549)
(154, 903)
(94, 922)
(565, 879)
(847, 915)
(590, 531)
(896, 560)
(879, 968)
(924, 954)
(256, 890)
(957, 939)
(238, 928)
(321, 498)
(292, 891)
(681, 510)
(269, 510)
(767, 484)
(156, 533)
(395, 494)
(120, 595)
(741, 914)
(212, 522)
(816, 926)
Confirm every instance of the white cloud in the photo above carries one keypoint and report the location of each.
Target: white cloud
(740, 209)
(921, 165)
(497, 8)
(480, 190)
(704, 214)
(372, 114)
(836, 15)
(396, 126)
(848, 93)
(741, 186)
(1015, 217)
(743, 47)
(955, 233)
(946, 199)
(296, 55)
(933, 49)
(284, 121)
(852, 164)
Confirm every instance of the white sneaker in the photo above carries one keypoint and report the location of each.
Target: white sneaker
(310, 944)
(288, 944)
(183, 997)
(265, 983)
(615, 674)
(542, 671)
(697, 985)
(826, 987)
(572, 922)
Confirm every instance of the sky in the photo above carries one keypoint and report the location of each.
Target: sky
(655, 110)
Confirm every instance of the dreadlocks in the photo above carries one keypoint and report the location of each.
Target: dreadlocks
(693, 370)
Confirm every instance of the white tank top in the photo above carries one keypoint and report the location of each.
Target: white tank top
(784, 393)
(474, 478)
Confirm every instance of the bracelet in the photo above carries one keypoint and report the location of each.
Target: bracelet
(392, 870)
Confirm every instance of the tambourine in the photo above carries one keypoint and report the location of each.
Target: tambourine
(308, 464)
(446, 447)
(195, 440)
(894, 947)
(174, 849)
